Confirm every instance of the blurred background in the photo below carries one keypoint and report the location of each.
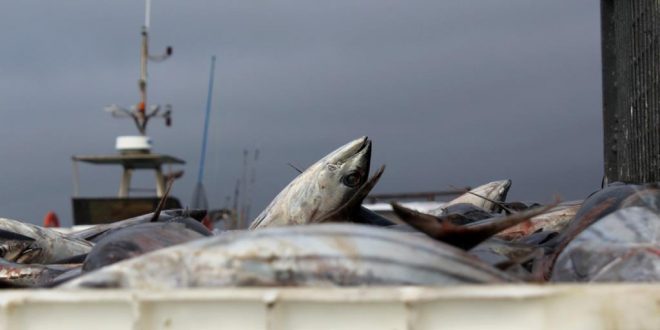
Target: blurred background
(451, 92)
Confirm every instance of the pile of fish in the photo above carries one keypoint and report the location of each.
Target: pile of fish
(316, 232)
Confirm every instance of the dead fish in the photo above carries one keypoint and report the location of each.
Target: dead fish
(16, 247)
(594, 208)
(320, 254)
(332, 189)
(33, 275)
(515, 257)
(464, 213)
(487, 196)
(48, 245)
(552, 221)
(494, 251)
(624, 246)
(467, 236)
(93, 233)
(136, 240)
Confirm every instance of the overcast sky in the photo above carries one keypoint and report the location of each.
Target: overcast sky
(451, 92)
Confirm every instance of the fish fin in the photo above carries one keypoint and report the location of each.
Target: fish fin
(423, 222)
(161, 204)
(466, 237)
(369, 217)
(355, 202)
(10, 235)
(455, 218)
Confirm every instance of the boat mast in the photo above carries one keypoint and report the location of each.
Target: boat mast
(139, 113)
(199, 194)
(144, 56)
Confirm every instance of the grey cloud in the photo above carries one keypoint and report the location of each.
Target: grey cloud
(452, 92)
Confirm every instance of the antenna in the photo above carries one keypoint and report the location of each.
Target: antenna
(139, 112)
(251, 183)
(199, 194)
(244, 185)
(147, 13)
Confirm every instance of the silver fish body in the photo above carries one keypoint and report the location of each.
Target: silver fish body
(96, 232)
(320, 255)
(321, 189)
(22, 275)
(136, 240)
(49, 245)
(622, 246)
(554, 220)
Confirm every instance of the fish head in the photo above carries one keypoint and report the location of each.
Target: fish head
(322, 188)
(19, 251)
(484, 195)
(496, 190)
(340, 174)
(18, 248)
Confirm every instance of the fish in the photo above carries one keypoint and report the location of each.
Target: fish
(48, 246)
(554, 220)
(129, 242)
(16, 247)
(337, 254)
(623, 246)
(464, 213)
(598, 205)
(330, 190)
(463, 236)
(488, 197)
(33, 275)
(94, 233)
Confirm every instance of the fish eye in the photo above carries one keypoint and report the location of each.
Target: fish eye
(352, 179)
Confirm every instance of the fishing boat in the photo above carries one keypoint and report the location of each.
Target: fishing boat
(134, 153)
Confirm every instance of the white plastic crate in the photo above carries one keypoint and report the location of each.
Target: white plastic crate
(583, 307)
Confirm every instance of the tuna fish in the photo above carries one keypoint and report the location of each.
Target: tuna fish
(488, 197)
(21, 275)
(49, 246)
(136, 240)
(322, 254)
(554, 220)
(95, 232)
(623, 246)
(465, 236)
(594, 208)
(331, 190)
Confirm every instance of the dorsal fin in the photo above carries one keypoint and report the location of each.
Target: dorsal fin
(465, 237)
(161, 203)
(354, 203)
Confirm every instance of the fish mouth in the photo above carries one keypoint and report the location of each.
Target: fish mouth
(506, 185)
(360, 147)
(364, 156)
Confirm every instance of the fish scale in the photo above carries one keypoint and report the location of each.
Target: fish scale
(324, 254)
